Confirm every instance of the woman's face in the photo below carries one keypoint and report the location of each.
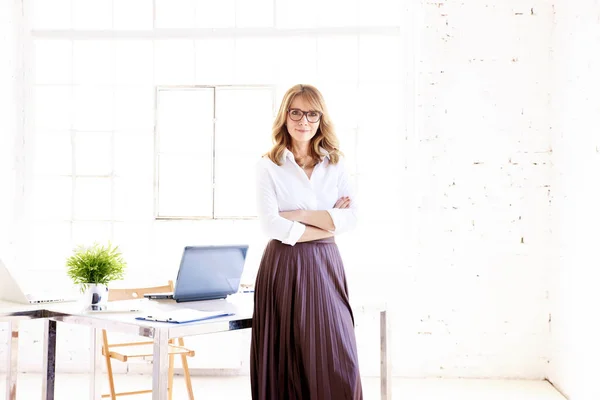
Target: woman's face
(302, 130)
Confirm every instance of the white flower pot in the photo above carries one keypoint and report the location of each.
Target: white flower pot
(96, 296)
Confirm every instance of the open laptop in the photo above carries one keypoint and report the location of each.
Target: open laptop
(207, 273)
(10, 290)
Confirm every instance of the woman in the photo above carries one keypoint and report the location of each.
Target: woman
(303, 345)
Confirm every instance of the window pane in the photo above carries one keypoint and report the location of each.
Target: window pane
(92, 14)
(134, 108)
(92, 199)
(52, 107)
(291, 14)
(185, 120)
(215, 60)
(342, 102)
(134, 62)
(132, 14)
(184, 137)
(290, 67)
(51, 14)
(256, 13)
(50, 255)
(50, 198)
(86, 233)
(53, 61)
(244, 119)
(185, 185)
(52, 154)
(92, 62)
(381, 104)
(378, 65)
(338, 59)
(93, 153)
(93, 108)
(215, 14)
(134, 240)
(138, 146)
(380, 12)
(338, 13)
(174, 61)
(134, 199)
(254, 61)
(175, 13)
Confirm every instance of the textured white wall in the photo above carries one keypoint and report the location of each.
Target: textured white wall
(475, 302)
(469, 245)
(575, 106)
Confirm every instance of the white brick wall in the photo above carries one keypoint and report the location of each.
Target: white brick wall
(475, 303)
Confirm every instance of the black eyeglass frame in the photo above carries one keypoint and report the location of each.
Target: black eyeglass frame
(304, 113)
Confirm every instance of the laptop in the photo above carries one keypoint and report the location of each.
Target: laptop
(10, 290)
(207, 273)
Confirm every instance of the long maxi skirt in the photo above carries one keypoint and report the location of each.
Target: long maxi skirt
(303, 344)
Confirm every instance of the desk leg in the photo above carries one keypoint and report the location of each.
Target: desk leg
(160, 367)
(386, 362)
(12, 360)
(49, 365)
(96, 364)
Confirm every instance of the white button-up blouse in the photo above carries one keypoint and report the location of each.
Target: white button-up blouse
(287, 188)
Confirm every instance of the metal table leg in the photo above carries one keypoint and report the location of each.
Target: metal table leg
(96, 360)
(12, 360)
(49, 354)
(386, 362)
(160, 367)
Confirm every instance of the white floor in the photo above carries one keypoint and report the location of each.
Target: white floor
(75, 386)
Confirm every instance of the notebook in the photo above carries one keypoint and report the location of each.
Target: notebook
(207, 273)
(182, 316)
(12, 290)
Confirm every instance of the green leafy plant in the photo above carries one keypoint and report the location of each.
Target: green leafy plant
(95, 264)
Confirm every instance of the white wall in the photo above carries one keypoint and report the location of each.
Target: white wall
(457, 230)
(576, 157)
(475, 302)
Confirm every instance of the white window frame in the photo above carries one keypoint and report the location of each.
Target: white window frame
(215, 88)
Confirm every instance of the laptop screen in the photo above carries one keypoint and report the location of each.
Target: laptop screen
(208, 272)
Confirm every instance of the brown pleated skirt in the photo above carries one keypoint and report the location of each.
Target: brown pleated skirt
(303, 344)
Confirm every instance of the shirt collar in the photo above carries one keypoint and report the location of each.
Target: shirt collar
(288, 154)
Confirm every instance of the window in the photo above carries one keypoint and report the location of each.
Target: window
(208, 140)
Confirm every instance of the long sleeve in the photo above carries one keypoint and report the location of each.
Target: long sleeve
(272, 224)
(344, 220)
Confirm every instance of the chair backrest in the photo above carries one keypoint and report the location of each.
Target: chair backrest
(137, 293)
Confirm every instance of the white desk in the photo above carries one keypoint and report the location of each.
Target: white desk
(13, 313)
(241, 305)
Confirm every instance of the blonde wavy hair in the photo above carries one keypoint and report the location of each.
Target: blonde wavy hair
(324, 138)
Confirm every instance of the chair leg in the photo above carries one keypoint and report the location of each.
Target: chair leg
(186, 372)
(111, 382)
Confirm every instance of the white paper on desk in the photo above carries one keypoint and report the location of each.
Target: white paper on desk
(181, 315)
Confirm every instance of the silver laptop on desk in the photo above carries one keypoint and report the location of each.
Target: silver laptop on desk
(11, 290)
(207, 273)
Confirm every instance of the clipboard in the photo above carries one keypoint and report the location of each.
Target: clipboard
(182, 316)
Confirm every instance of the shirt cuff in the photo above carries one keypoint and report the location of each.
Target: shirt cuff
(335, 217)
(295, 233)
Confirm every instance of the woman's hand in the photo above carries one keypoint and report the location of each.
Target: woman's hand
(343, 202)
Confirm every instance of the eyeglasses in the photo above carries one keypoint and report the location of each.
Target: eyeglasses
(311, 116)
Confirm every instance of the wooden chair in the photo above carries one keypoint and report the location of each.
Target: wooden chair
(125, 351)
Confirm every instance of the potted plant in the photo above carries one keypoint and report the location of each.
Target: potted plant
(92, 268)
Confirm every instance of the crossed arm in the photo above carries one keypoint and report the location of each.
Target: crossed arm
(319, 224)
